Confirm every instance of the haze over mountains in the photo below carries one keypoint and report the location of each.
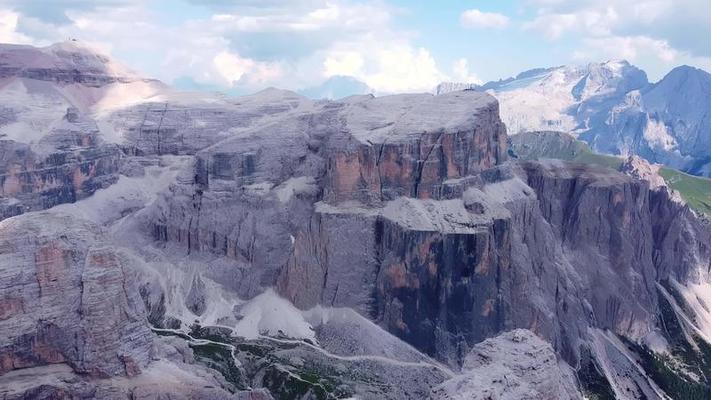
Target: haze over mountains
(163, 244)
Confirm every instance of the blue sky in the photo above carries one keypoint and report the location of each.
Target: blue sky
(390, 45)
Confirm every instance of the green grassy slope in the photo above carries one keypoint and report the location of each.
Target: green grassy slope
(695, 190)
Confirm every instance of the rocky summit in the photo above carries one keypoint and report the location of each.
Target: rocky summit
(160, 244)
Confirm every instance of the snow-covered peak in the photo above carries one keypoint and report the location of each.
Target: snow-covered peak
(546, 98)
(607, 78)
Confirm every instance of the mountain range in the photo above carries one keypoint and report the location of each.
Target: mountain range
(615, 109)
(164, 244)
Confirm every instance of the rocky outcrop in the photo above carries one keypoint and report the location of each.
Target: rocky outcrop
(407, 145)
(68, 164)
(67, 298)
(185, 124)
(61, 63)
(641, 169)
(513, 365)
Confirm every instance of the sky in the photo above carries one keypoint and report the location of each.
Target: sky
(242, 46)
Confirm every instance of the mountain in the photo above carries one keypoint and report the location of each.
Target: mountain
(614, 108)
(336, 87)
(677, 111)
(395, 247)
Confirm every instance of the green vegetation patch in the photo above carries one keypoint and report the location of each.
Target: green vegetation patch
(594, 384)
(695, 190)
(675, 383)
(220, 359)
(684, 372)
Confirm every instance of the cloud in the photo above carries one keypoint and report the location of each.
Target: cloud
(656, 34)
(477, 19)
(632, 48)
(657, 56)
(234, 68)
(385, 66)
(243, 46)
(55, 11)
(403, 69)
(589, 22)
(678, 22)
(347, 63)
(8, 29)
(461, 72)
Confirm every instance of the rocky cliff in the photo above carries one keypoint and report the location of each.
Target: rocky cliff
(274, 246)
(69, 163)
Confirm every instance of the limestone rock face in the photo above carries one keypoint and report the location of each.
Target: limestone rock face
(62, 63)
(407, 145)
(643, 170)
(402, 222)
(314, 246)
(513, 365)
(68, 298)
(269, 177)
(186, 124)
(67, 164)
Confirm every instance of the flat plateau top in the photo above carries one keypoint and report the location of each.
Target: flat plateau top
(396, 117)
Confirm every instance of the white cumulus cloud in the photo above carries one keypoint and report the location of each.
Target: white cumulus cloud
(234, 68)
(478, 19)
(461, 73)
(8, 28)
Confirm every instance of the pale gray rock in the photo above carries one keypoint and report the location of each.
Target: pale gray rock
(513, 365)
(641, 169)
(67, 297)
(446, 87)
(67, 164)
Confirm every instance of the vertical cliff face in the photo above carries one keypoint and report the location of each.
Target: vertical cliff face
(553, 247)
(592, 213)
(272, 175)
(392, 151)
(67, 298)
(440, 290)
